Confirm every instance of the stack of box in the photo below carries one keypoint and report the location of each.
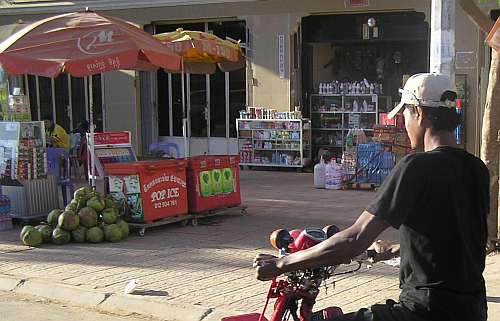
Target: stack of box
(349, 163)
(5, 219)
(401, 145)
(384, 134)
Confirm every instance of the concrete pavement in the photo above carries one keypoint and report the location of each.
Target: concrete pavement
(209, 266)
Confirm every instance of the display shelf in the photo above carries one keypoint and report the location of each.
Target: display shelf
(274, 149)
(344, 112)
(23, 155)
(283, 130)
(274, 139)
(328, 129)
(262, 146)
(270, 165)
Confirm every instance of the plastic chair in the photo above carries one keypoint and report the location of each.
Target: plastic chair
(55, 158)
(165, 148)
(74, 155)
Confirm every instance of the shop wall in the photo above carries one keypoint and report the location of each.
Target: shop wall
(269, 89)
(121, 105)
(467, 40)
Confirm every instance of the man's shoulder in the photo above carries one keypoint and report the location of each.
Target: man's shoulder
(414, 160)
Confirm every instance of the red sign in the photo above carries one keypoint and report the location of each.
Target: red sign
(161, 186)
(112, 138)
(357, 3)
(164, 193)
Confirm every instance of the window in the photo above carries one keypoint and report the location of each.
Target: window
(163, 104)
(217, 105)
(33, 97)
(70, 101)
(98, 108)
(237, 98)
(45, 93)
(62, 102)
(237, 83)
(198, 105)
(78, 101)
(177, 112)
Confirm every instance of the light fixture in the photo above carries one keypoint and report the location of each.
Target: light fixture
(372, 22)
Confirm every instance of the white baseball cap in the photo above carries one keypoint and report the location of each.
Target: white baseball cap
(425, 90)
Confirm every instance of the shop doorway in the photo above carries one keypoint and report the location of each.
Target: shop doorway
(382, 49)
(213, 101)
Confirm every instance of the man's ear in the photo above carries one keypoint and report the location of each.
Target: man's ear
(420, 116)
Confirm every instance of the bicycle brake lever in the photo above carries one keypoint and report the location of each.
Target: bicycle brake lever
(370, 258)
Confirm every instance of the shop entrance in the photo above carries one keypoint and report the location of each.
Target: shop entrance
(371, 53)
(213, 101)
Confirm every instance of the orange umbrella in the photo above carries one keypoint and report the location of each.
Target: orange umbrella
(202, 51)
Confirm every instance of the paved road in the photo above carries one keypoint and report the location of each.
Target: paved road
(22, 308)
(210, 265)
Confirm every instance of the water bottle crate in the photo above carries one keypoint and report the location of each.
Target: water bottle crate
(5, 223)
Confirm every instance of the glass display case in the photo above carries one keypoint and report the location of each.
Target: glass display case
(24, 170)
(23, 155)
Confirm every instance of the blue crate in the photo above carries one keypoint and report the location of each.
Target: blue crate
(373, 163)
(4, 205)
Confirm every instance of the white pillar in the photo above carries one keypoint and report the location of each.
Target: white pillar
(442, 55)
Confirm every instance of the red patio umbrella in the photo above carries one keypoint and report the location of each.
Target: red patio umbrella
(83, 44)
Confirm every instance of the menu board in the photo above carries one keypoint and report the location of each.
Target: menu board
(111, 147)
(115, 155)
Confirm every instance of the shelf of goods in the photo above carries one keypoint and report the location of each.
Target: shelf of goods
(24, 170)
(272, 142)
(334, 116)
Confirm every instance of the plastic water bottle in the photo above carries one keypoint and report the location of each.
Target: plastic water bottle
(333, 175)
(319, 174)
(458, 130)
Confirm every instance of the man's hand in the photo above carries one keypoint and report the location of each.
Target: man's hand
(385, 250)
(265, 267)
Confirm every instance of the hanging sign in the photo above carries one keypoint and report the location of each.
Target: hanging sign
(356, 3)
(112, 138)
(281, 56)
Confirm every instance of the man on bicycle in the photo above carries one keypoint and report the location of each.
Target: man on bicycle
(438, 199)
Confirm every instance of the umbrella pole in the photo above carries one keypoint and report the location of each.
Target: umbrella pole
(91, 140)
(184, 113)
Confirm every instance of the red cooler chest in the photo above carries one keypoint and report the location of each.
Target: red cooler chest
(152, 189)
(213, 183)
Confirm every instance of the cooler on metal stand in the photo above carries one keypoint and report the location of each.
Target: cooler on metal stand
(152, 189)
(213, 183)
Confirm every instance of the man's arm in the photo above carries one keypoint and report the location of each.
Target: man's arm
(339, 248)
